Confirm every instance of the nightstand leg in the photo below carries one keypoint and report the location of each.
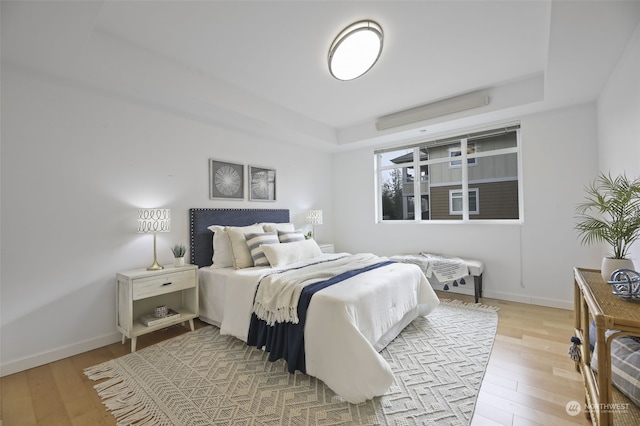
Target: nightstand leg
(124, 338)
(133, 344)
(191, 324)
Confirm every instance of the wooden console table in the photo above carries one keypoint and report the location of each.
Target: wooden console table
(593, 300)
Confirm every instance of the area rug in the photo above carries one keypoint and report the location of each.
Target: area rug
(203, 378)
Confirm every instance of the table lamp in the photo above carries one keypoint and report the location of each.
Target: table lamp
(314, 217)
(153, 221)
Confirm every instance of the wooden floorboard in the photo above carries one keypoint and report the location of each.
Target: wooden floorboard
(529, 379)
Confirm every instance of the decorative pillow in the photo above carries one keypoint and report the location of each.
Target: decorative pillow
(239, 248)
(290, 236)
(625, 365)
(286, 254)
(270, 227)
(222, 255)
(255, 243)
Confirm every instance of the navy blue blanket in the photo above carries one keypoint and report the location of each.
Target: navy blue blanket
(286, 340)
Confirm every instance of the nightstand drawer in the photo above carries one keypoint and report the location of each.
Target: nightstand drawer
(167, 283)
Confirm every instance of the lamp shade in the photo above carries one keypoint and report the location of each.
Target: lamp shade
(154, 220)
(314, 217)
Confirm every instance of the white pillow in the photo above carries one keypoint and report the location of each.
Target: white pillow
(222, 255)
(239, 248)
(270, 227)
(286, 254)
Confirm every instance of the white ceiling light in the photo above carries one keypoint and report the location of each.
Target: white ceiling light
(355, 50)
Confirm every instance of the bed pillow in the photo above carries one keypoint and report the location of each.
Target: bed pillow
(222, 255)
(290, 236)
(256, 242)
(285, 254)
(239, 248)
(270, 227)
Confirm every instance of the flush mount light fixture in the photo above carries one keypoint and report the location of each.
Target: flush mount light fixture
(355, 50)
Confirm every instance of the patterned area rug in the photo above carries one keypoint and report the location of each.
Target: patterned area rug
(203, 378)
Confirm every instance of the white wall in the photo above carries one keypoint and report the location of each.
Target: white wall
(531, 262)
(619, 120)
(76, 165)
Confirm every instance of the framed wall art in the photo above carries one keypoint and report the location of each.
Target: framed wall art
(262, 184)
(226, 180)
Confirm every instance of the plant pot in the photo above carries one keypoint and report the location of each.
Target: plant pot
(609, 265)
(178, 261)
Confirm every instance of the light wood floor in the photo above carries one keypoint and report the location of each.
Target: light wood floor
(529, 379)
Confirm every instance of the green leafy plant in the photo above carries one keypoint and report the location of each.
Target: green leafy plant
(610, 213)
(178, 250)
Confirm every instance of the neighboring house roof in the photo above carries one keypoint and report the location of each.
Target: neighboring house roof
(407, 158)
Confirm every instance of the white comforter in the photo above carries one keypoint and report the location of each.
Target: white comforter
(278, 295)
(347, 323)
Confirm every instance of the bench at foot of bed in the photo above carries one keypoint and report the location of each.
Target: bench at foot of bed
(436, 265)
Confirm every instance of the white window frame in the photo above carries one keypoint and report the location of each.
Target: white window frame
(465, 157)
(474, 191)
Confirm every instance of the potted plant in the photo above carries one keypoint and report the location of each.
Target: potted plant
(611, 214)
(178, 251)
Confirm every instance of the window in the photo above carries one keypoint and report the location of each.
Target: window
(456, 204)
(456, 152)
(487, 168)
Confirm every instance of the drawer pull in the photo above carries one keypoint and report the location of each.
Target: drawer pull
(169, 283)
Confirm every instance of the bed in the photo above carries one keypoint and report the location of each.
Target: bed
(345, 324)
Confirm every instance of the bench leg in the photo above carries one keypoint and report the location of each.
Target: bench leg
(477, 287)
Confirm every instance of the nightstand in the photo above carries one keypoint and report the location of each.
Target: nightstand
(326, 248)
(139, 291)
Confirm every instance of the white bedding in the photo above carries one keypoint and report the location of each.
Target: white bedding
(347, 323)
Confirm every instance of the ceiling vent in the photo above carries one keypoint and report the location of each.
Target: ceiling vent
(435, 109)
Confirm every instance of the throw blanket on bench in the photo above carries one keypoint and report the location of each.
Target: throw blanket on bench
(444, 268)
(284, 338)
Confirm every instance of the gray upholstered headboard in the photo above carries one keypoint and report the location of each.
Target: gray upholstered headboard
(201, 238)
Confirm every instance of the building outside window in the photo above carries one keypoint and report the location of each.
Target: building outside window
(456, 152)
(488, 171)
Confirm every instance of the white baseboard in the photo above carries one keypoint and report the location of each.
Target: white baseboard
(551, 303)
(37, 360)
